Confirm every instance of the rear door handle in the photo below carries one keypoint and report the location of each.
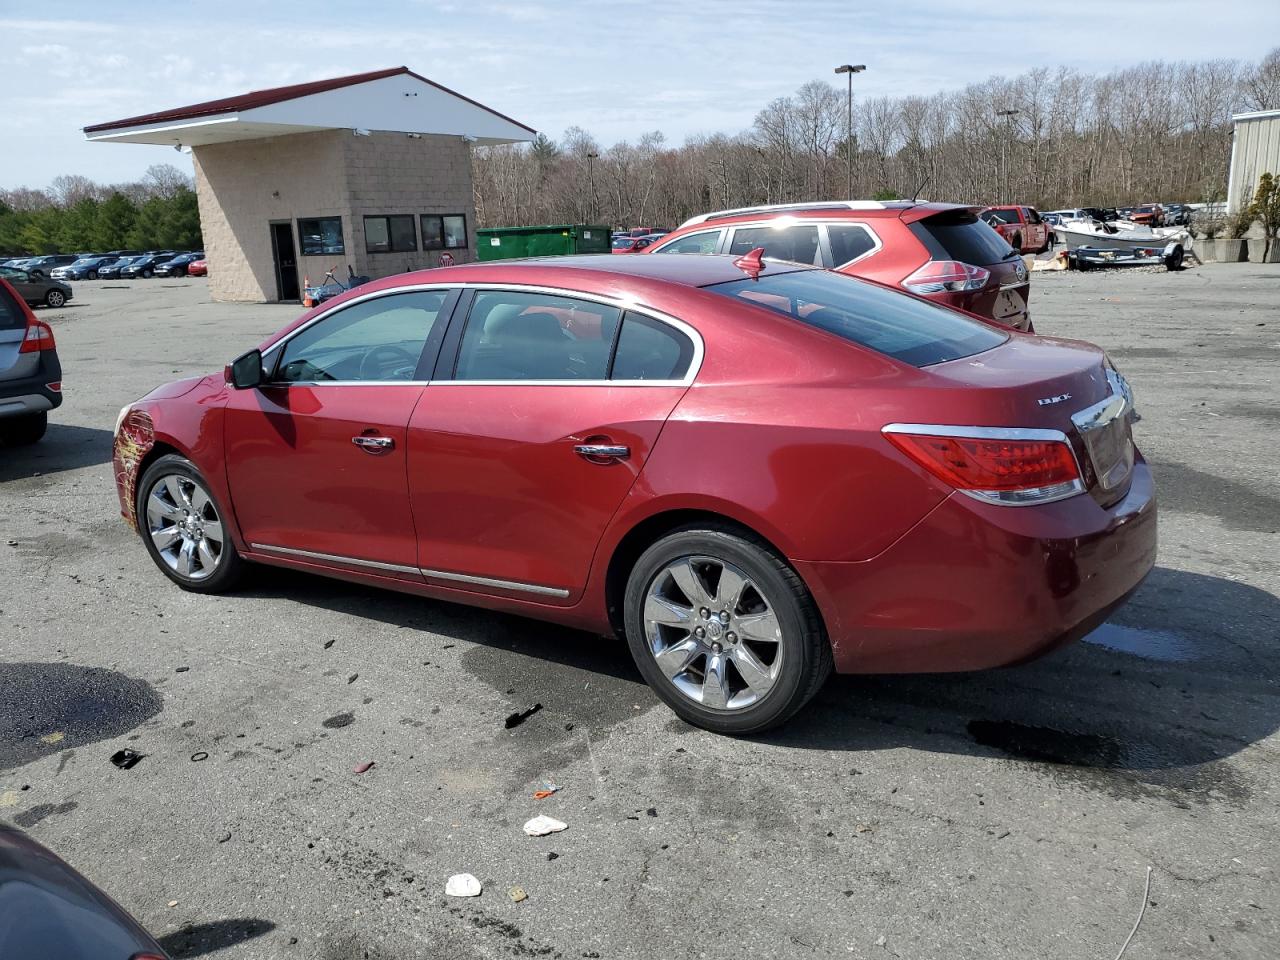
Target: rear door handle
(374, 444)
(602, 451)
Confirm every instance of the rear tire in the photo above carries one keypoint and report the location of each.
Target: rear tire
(1016, 242)
(185, 529)
(1174, 260)
(757, 659)
(25, 430)
(93, 275)
(148, 274)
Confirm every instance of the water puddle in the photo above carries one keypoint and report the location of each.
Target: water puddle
(1148, 644)
(1047, 745)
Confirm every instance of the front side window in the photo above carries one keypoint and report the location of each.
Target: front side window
(849, 241)
(391, 234)
(797, 242)
(380, 339)
(704, 242)
(891, 323)
(1000, 216)
(444, 231)
(650, 350)
(318, 236)
(513, 335)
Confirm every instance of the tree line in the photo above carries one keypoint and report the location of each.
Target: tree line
(1051, 138)
(77, 215)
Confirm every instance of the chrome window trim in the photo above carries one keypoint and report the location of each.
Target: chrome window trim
(977, 433)
(624, 305)
(334, 558)
(495, 582)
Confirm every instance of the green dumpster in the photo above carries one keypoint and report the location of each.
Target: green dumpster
(504, 243)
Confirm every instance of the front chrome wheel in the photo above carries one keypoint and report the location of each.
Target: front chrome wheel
(184, 527)
(713, 633)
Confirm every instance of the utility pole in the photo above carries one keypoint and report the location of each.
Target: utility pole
(850, 69)
(591, 180)
(1008, 113)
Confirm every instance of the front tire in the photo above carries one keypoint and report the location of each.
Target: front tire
(93, 275)
(185, 530)
(55, 299)
(724, 631)
(25, 430)
(147, 274)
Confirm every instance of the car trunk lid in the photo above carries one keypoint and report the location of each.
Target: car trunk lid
(14, 365)
(960, 235)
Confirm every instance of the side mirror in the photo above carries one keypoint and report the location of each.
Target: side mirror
(245, 371)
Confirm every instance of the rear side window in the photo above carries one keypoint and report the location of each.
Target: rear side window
(11, 315)
(1000, 216)
(849, 241)
(512, 335)
(959, 235)
(909, 330)
(798, 242)
(649, 350)
(704, 242)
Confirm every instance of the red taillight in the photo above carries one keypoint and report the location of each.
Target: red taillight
(39, 337)
(939, 276)
(1005, 466)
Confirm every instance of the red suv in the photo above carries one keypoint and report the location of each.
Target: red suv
(941, 251)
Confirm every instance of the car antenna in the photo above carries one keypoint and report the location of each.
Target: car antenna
(751, 263)
(923, 183)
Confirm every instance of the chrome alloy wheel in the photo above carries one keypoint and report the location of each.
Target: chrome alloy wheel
(713, 633)
(184, 526)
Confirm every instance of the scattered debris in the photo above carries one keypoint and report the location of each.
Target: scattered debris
(172, 904)
(1003, 835)
(863, 828)
(881, 940)
(353, 678)
(548, 790)
(652, 812)
(124, 759)
(364, 767)
(339, 720)
(517, 894)
(1146, 894)
(52, 738)
(553, 855)
(518, 718)
(328, 643)
(198, 756)
(181, 669)
(225, 837)
(540, 826)
(462, 885)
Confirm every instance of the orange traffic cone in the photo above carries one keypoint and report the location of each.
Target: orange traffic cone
(306, 286)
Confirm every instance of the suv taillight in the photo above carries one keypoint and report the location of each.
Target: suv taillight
(39, 337)
(998, 465)
(939, 276)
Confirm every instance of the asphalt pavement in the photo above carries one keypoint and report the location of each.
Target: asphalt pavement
(1008, 814)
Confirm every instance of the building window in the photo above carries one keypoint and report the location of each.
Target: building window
(444, 231)
(392, 234)
(321, 235)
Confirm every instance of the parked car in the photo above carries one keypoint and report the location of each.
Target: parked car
(1150, 214)
(644, 231)
(37, 290)
(630, 244)
(198, 268)
(41, 266)
(940, 251)
(30, 375)
(112, 271)
(48, 909)
(145, 265)
(86, 268)
(1176, 214)
(806, 471)
(1022, 227)
(177, 266)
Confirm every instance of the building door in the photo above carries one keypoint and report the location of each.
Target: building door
(286, 261)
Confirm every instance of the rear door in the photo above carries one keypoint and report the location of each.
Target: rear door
(535, 427)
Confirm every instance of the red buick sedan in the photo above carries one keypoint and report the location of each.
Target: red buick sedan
(755, 471)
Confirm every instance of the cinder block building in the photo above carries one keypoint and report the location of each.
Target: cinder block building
(371, 170)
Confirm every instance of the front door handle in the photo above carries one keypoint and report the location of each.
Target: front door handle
(374, 444)
(602, 451)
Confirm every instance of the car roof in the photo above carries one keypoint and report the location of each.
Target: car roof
(907, 210)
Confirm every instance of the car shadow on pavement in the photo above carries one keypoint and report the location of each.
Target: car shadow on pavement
(1174, 685)
(64, 447)
(196, 940)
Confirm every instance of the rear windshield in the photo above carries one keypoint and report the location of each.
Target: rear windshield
(959, 235)
(11, 315)
(910, 330)
(1000, 216)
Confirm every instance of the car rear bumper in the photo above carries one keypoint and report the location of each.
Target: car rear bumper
(32, 394)
(975, 585)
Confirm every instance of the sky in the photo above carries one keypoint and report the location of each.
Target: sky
(614, 68)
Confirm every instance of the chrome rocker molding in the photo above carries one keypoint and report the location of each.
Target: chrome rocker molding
(513, 585)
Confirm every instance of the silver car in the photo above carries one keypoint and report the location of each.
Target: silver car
(30, 372)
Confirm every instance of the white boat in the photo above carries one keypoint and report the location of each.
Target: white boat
(1118, 236)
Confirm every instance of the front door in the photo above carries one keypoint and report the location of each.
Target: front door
(523, 450)
(316, 457)
(286, 261)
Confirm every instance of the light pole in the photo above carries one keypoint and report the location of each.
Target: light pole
(591, 180)
(1008, 114)
(850, 69)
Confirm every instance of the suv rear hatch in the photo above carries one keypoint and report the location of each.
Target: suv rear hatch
(13, 330)
(959, 235)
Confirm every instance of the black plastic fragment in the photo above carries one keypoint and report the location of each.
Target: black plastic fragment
(124, 759)
(518, 718)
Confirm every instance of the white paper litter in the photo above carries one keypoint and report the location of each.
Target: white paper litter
(540, 826)
(462, 885)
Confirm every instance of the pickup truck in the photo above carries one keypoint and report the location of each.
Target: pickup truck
(1022, 227)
